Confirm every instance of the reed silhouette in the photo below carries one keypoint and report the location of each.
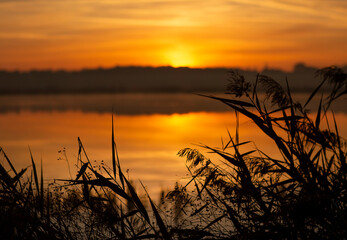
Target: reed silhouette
(301, 195)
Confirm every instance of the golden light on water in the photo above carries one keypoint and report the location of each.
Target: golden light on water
(147, 144)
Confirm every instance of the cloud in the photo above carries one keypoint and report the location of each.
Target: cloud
(334, 9)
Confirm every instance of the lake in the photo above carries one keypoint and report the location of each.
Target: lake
(150, 129)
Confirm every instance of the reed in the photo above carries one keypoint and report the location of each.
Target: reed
(301, 195)
(99, 203)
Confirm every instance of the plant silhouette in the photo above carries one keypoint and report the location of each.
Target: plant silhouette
(300, 195)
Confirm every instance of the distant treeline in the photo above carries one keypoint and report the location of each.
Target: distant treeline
(141, 79)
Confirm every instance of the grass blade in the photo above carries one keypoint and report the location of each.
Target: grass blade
(230, 101)
(113, 151)
(18, 176)
(136, 200)
(319, 113)
(82, 170)
(35, 172)
(41, 192)
(8, 160)
(158, 218)
(314, 92)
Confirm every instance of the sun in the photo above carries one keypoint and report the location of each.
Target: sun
(180, 57)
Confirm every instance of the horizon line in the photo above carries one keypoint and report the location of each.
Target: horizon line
(266, 67)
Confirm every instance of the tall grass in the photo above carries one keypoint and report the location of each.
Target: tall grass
(100, 203)
(251, 195)
(302, 194)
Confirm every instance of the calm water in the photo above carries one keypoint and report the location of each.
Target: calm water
(150, 129)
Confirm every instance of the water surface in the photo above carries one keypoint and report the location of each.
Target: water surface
(150, 130)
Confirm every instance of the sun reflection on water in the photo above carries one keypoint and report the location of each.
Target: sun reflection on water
(147, 144)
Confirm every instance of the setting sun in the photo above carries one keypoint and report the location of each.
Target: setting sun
(180, 57)
(247, 34)
(126, 119)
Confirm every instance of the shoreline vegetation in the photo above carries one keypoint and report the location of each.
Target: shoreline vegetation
(143, 80)
(249, 195)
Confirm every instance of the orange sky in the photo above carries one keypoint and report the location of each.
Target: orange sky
(74, 34)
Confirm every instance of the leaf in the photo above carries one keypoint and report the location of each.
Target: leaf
(226, 157)
(35, 172)
(82, 170)
(113, 151)
(282, 183)
(208, 179)
(235, 145)
(232, 101)
(199, 210)
(41, 195)
(136, 200)
(115, 158)
(85, 190)
(5, 177)
(102, 182)
(247, 153)
(342, 155)
(18, 176)
(286, 118)
(237, 127)
(213, 222)
(255, 88)
(232, 215)
(314, 92)
(8, 160)
(319, 113)
(159, 220)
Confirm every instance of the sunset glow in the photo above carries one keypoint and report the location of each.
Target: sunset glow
(173, 119)
(250, 34)
(180, 57)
